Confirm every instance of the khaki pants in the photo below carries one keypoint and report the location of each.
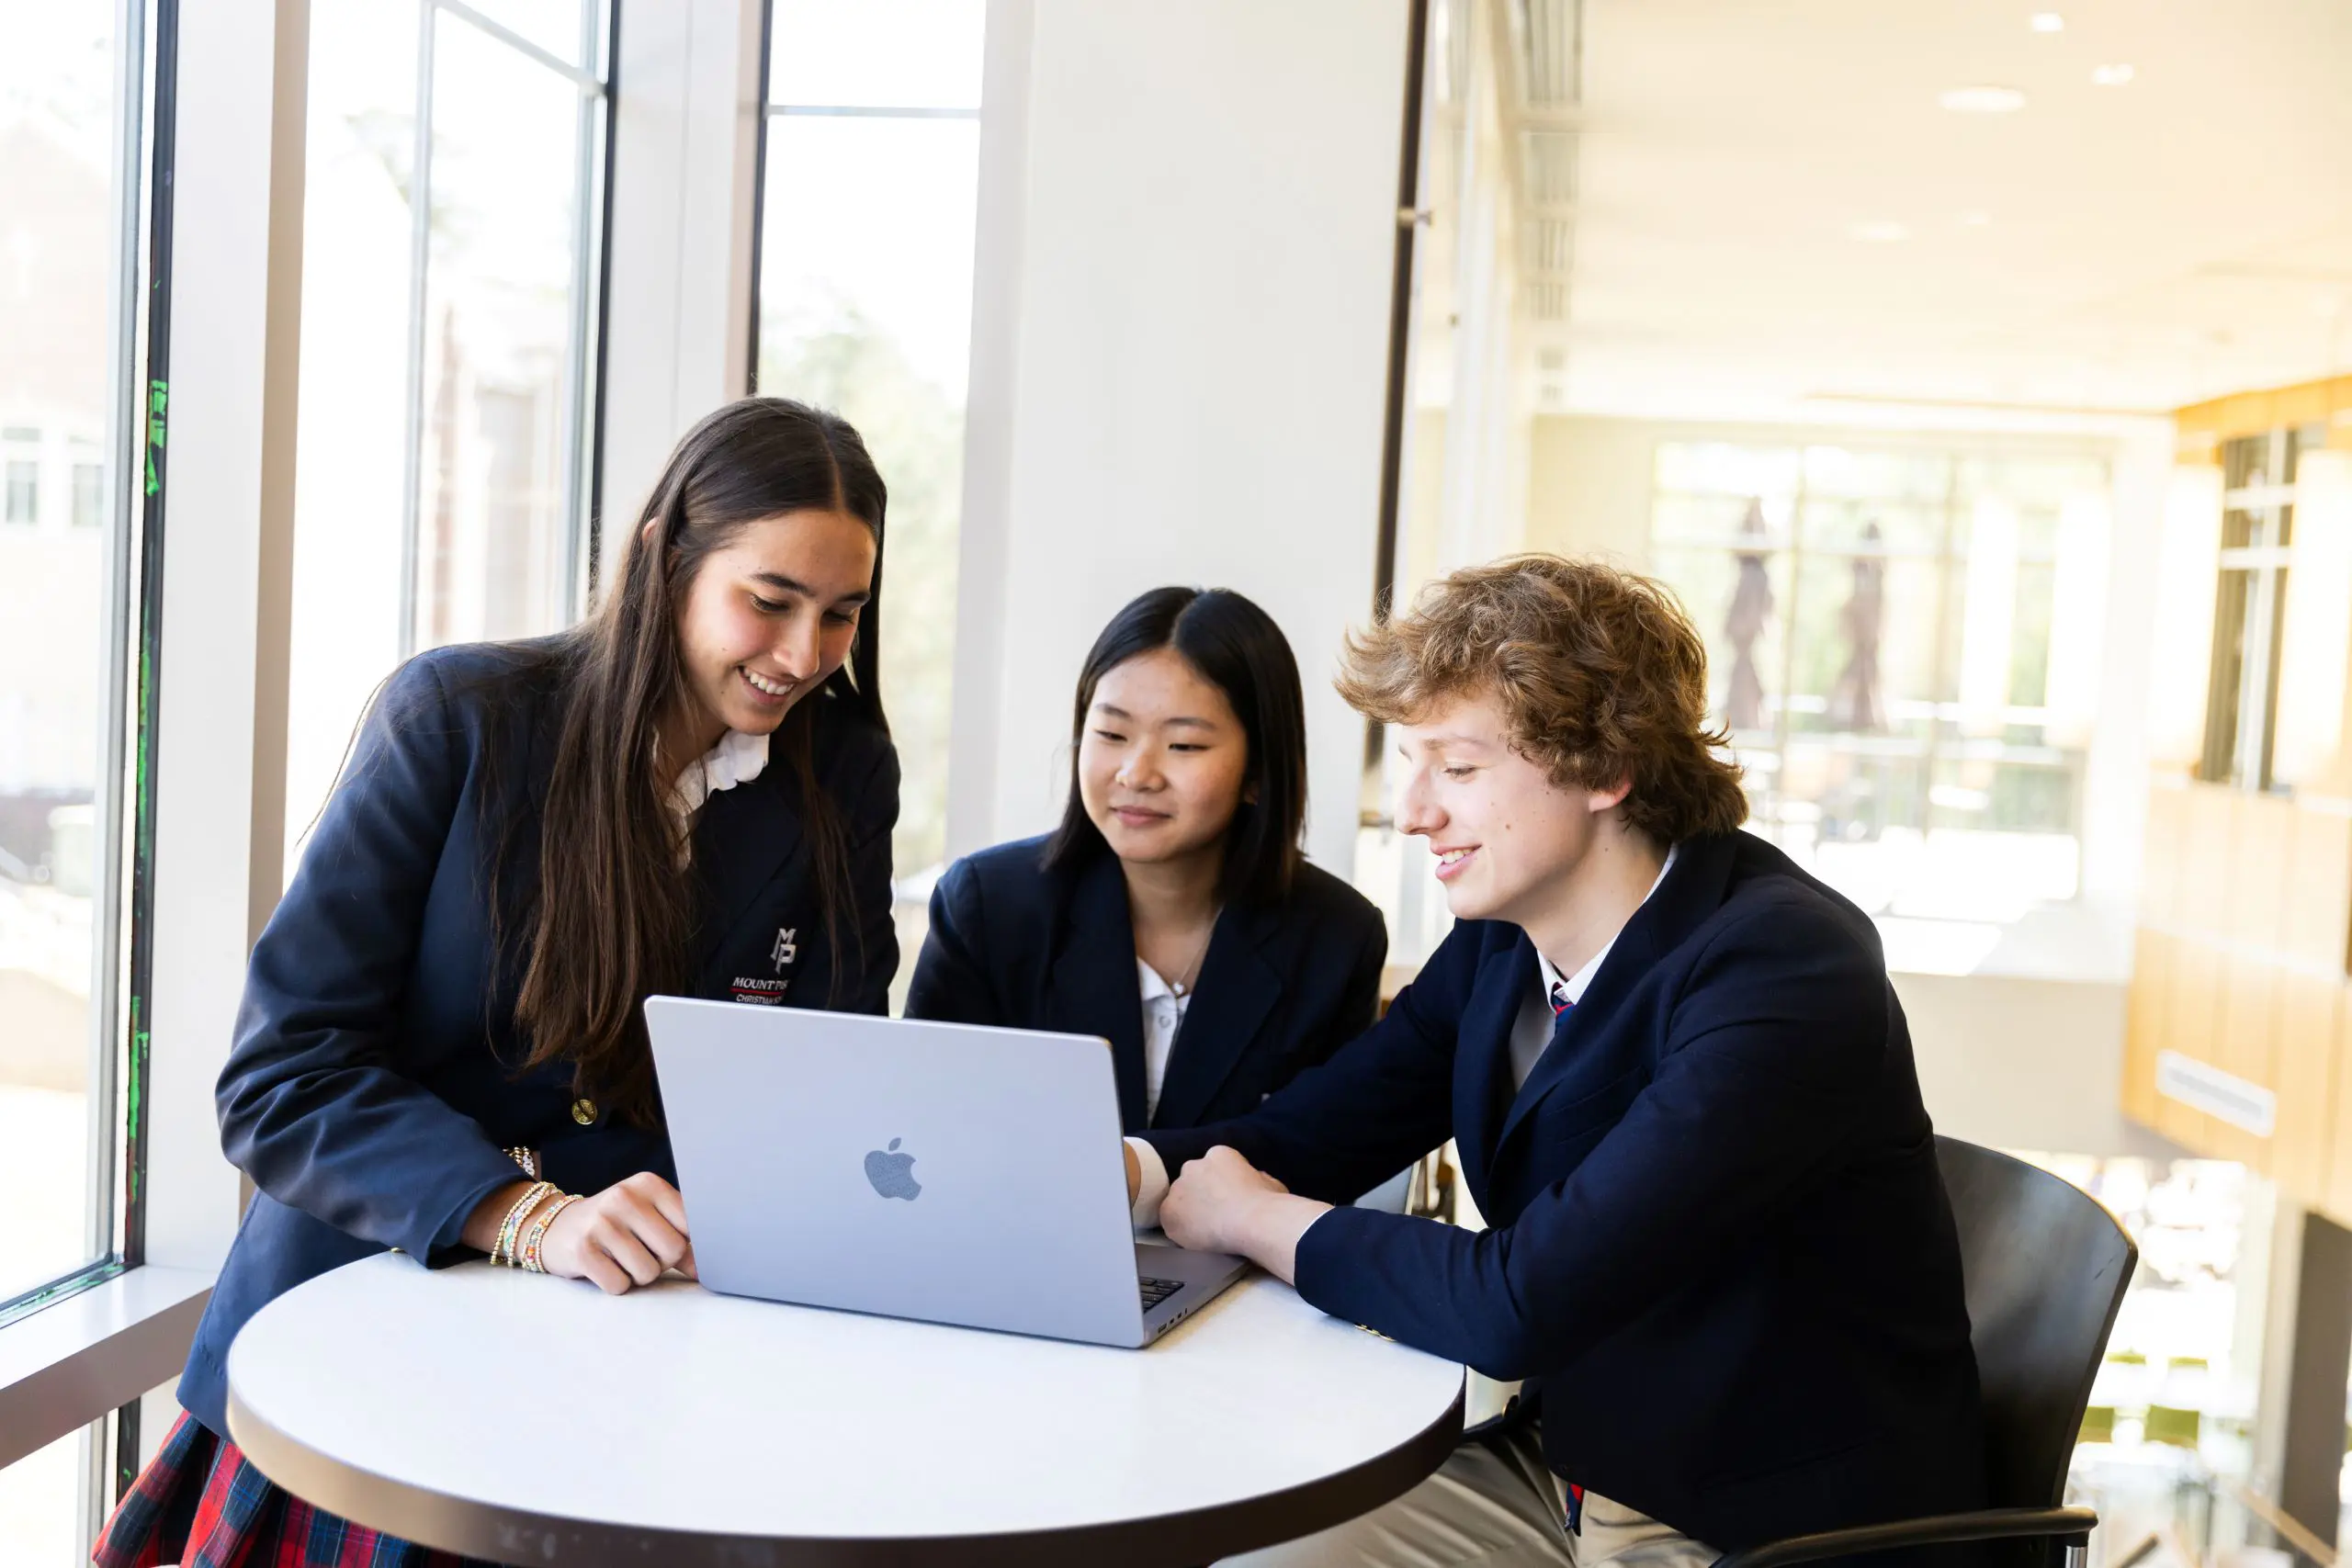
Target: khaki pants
(1492, 1505)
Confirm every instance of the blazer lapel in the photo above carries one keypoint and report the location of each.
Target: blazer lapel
(743, 837)
(1094, 986)
(1482, 1086)
(1237, 988)
(1691, 891)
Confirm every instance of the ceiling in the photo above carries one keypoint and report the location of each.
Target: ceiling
(1774, 217)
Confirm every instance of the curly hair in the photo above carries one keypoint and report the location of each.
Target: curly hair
(1602, 678)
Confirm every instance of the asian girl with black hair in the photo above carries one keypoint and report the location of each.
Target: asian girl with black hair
(1172, 912)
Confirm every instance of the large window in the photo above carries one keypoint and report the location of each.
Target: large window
(74, 90)
(449, 311)
(865, 306)
(1903, 645)
(2259, 477)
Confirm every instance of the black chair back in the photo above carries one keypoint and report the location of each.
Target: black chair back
(2045, 1268)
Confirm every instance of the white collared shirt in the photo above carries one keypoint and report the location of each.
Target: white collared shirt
(1163, 1015)
(738, 758)
(1530, 1034)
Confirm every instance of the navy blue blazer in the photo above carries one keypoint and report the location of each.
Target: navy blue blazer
(1720, 1247)
(369, 1094)
(1280, 988)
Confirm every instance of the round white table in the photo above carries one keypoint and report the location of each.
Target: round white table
(530, 1420)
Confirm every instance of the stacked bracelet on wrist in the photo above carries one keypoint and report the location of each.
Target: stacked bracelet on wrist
(537, 1193)
(529, 1261)
(528, 1160)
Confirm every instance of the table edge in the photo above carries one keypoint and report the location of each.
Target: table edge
(515, 1535)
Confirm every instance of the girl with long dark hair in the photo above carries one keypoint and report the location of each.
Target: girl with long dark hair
(1172, 913)
(441, 1047)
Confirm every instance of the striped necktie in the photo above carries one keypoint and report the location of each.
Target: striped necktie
(1561, 1001)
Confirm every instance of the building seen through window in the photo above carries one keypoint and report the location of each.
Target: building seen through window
(70, 175)
(447, 347)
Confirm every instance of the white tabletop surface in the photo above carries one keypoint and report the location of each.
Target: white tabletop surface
(537, 1420)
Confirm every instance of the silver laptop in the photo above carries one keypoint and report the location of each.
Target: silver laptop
(930, 1171)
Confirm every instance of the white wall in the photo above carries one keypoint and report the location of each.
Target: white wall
(2023, 1064)
(1181, 321)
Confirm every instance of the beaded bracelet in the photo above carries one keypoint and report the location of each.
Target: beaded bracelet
(528, 1160)
(504, 1252)
(539, 1231)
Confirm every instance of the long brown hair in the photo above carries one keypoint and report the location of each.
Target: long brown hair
(611, 920)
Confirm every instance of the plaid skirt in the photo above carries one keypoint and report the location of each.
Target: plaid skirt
(200, 1504)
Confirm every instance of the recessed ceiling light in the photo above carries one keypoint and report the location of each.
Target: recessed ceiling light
(1982, 99)
(2110, 75)
(1974, 220)
(2048, 22)
(1879, 232)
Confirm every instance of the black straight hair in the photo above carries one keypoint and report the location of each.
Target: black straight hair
(1234, 645)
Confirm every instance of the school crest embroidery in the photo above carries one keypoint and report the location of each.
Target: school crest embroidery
(762, 989)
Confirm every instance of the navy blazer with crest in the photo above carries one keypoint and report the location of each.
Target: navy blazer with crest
(1281, 987)
(1720, 1248)
(369, 1093)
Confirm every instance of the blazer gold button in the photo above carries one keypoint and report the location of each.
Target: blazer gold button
(585, 1112)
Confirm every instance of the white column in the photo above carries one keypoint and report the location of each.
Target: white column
(685, 145)
(1180, 346)
(2135, 634)
(229, 512)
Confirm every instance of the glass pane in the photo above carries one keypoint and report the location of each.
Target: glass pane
(351, 467)
(1736, 600)
(865, 307)
(2245, 462)
(894, 53)
(554, 25)
(1856, 522)
(1713, 467)
(2219, 762)
(1896, 658)
(1727, 521)
(1877, 475)
(1865, 645)
(2030, 482)
(57, 167)
(2029, 645)
(40, 1505)
(492, 556)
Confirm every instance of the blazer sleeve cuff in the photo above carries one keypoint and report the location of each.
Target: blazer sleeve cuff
(445, 1243)
(1329, 1257)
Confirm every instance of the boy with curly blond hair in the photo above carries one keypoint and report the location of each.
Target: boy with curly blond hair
(1719, 1253)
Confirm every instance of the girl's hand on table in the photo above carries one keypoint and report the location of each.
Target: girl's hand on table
(627, 1235)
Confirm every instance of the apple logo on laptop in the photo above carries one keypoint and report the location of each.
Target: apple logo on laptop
(893, 1174)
